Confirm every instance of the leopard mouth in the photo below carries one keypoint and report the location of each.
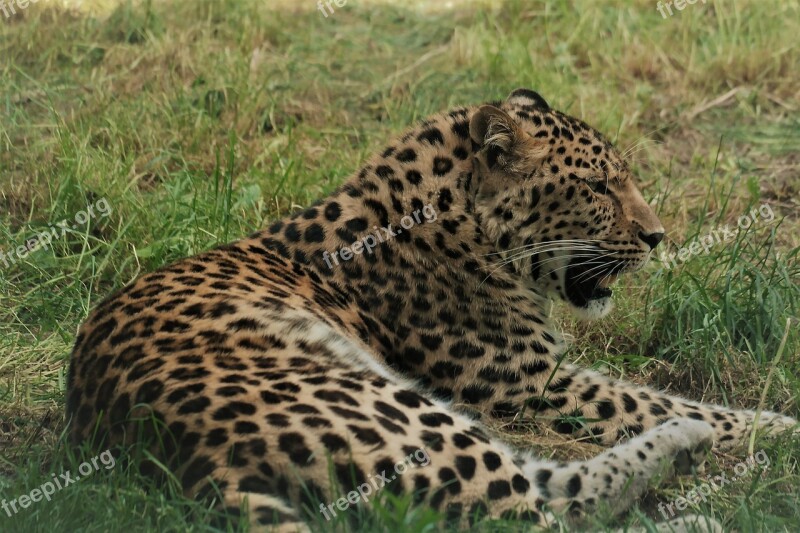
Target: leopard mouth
(587, 282)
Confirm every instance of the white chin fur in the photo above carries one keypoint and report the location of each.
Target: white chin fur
(596, 309)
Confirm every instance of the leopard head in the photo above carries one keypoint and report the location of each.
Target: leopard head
(558, 202)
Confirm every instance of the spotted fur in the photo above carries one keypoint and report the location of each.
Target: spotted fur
(252, 369)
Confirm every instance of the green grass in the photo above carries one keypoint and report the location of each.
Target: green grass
(199, 121)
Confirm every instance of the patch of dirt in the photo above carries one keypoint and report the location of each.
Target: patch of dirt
(21, 429)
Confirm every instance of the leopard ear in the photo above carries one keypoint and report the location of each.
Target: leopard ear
(527, 97)
(506, 144)
(493, 128)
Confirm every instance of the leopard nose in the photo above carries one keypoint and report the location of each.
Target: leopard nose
(651, 239)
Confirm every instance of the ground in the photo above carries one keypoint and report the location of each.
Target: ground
(157, 130)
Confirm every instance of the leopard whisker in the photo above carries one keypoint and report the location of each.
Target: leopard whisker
(551, 250)
(543, 243)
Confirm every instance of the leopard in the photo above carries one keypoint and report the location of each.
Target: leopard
(277, 372)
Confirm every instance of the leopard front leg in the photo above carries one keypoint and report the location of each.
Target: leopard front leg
(618, 477)
(582, 402)
(509, 365)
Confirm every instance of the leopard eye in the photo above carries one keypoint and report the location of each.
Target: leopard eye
(598, 186)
